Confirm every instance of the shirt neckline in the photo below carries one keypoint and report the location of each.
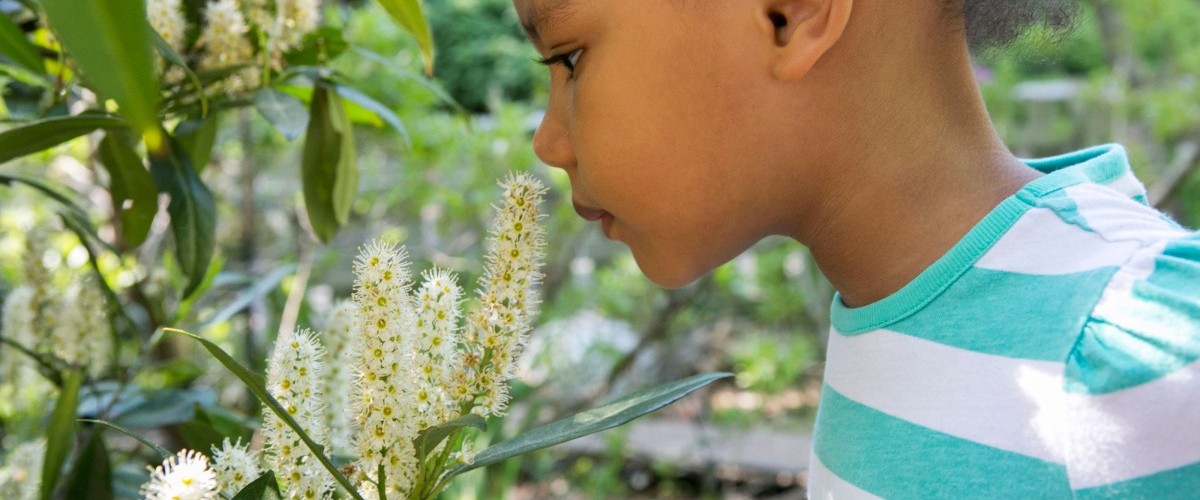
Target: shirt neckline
(1099, 164)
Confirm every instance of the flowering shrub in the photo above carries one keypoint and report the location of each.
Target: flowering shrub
(421, 378)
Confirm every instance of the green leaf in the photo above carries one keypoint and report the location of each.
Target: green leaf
(318, 47)
(111, 44)
(162, 452)
(328, 170)
(258, 387)
(408, 14)
(91, 476)
(429, 438)
(60, 432)
(376, 108)
(15, 45)
(193, 212)
(164, 49)
(431, 85)
(134, 195)
(285, 112)
(197, 136)
(250, 294)
(591, 421)
(263, 488)
(200, 436)
(50, 132)
(8, 179)
(155, 409)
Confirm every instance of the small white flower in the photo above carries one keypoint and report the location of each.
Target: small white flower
(236, 466)
(82, 334)
(21, 477)
(184, 476)
(340, 331)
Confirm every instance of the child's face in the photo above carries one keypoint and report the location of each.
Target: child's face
(666, 127)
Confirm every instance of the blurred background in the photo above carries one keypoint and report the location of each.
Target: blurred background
(1127, 74)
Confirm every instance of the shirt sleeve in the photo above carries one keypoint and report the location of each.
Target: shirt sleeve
(1132, 381)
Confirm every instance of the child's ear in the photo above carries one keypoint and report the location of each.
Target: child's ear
(804, 30)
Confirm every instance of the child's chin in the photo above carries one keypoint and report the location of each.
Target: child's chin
(671, 275)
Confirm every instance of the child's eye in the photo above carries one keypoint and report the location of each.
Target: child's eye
(567, 60)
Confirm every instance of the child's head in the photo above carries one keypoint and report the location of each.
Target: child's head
(692, 129)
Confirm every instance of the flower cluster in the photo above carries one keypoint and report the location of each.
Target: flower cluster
(340, 330)
(225, 39)
(225, 44)
(184, 476)
(21, 476)
(294, 377)
(507, 302)
(82, 335)
(235, 466)
(417, 367)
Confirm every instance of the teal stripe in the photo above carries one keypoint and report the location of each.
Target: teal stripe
(1181, 482)
(1010, 314)
(1066, 209)
(893, 458)
(1159, 331)
(1100, 164)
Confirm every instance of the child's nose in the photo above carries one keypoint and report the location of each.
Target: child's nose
(551, 143)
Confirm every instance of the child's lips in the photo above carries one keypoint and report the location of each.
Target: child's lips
(589, 213)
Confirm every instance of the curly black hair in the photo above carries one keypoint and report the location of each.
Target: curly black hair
(994, 24)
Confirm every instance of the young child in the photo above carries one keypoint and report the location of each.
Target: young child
(1003, 328)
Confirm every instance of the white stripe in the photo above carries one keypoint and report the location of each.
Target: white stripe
(1138, 431)
(1007, 403)
(1118, 218)
(1127, 184)
(1114, 304)
(823, 484)
(1042, 243)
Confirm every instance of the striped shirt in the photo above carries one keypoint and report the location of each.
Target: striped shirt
(1051, 353)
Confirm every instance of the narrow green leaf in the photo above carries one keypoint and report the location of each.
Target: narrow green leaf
(164, 49)
(428, 439)
(162, 452)
(263, 488)
(286, 113)
(250, 294)
(318, 48)
(353, 95)
(47, 133)
(408, 14)
(60, 432)
(192, 209)
(591, 421)
(8, 179)
(198, 136)
(329, 170)
(110, 42)
(431, 85)
(25, 76)
(258, 387)
(15, 45)
(134, 195)
(91, 476)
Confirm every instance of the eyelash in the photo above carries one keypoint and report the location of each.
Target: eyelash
(567, 59)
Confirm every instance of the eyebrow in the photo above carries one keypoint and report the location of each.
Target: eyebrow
(536, 18)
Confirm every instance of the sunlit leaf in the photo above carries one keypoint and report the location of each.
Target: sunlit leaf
(591, 421)
(60, 432)
(258, 387)
(409, 15)
(15, 45)
(383, 112)
(110, 42)
(49, 132)
(134, 195)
